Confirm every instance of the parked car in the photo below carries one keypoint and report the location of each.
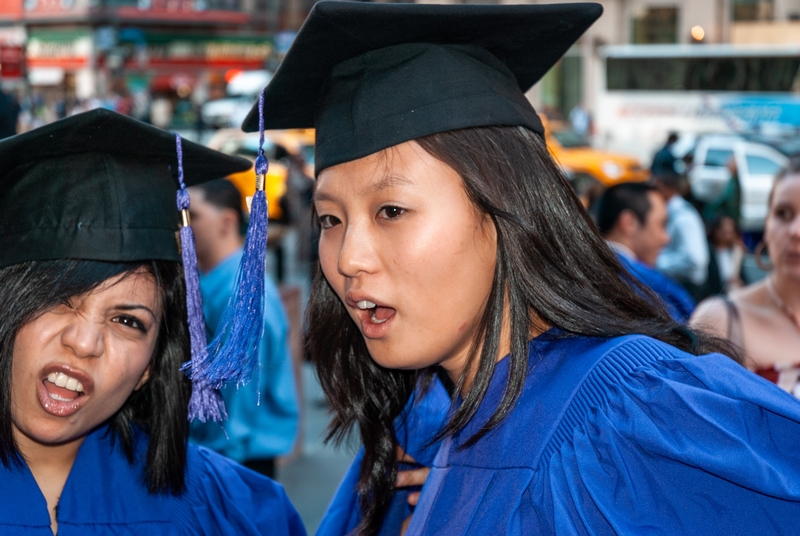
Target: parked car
(590, 170)
(242, 91)
(277, 145)
(756, 165)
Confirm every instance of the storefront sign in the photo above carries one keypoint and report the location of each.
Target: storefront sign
(66, 49)
(182, 51)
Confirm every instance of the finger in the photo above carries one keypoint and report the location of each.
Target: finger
(402, 456)
(414, 477)
(413, 498)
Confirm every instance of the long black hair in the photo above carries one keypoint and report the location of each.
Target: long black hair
(159, 408)
(552, 269)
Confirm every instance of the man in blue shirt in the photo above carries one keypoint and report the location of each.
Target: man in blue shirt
(632, 217)
(263, 415)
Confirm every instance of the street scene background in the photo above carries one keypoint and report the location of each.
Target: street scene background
(710, 89)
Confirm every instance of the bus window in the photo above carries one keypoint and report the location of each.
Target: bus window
(703, 74)
(718, 157)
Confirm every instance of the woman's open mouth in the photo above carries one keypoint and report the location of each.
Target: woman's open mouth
(63, 392)
(374, 317)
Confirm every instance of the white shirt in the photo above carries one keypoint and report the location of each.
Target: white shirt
(685, 258)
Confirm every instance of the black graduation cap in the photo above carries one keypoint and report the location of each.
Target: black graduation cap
(369, 76)
(97, 186)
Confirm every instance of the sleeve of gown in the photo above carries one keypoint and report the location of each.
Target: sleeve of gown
(224, 497)
(693, 445)
(419, 422)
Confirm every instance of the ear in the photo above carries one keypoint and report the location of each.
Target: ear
(230, 222)
(628, 223)
(143, 380)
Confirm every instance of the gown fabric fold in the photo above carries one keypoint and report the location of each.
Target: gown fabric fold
(618, 436)
(106, 495)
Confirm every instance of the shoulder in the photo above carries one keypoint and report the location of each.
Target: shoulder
(712, 315)
(223, 497)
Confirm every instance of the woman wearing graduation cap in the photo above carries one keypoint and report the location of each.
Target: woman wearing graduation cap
(451, 240)
(94, 406)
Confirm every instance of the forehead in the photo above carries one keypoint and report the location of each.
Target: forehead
(787, 190)
(139, 285)
(406, 164)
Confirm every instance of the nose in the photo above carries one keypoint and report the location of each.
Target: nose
(83, 337)
(358, 252)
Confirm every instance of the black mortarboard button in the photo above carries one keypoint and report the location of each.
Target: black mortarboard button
(97, 186)
(369, 76)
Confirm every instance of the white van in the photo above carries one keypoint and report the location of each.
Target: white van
(756, 164)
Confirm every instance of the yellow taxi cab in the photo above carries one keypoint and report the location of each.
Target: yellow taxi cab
(277, 145)
(582, 163)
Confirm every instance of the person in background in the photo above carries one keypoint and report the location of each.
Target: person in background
(764, 318)
(262, 415)
(664, 160)
(685, 258)
(726, 252)
(9, 113)
(632, 217)
(580, 120)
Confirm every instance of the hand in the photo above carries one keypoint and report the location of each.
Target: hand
(412, 477)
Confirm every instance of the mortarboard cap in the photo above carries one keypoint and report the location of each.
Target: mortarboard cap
(97, 186)
(369, 76)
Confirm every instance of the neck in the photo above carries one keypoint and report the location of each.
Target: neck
(455, 367)
(788, 289)
(226, 247)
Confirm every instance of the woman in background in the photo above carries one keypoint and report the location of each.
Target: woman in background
(764, 318)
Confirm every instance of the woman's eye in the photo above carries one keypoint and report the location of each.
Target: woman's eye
(391, 213)
(326, 222)
(784, 214)
(131, 322)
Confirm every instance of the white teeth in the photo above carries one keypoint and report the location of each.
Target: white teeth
(376, 321)
(365, 304)
(62, 380)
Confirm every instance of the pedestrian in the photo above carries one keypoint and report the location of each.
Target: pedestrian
(764, 318)
(263, 414)
(685, 257)
(93, 414)
(664, 160)
(451, 240)
(632, 217)
(9, 114)
(726, 253)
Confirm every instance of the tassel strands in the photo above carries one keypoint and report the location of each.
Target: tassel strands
(206, 402)
(233, 353)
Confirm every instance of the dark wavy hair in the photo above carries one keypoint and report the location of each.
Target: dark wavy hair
(159, 408)
(552, 269)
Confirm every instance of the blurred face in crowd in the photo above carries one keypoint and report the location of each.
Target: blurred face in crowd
(210, 225)
(782, 227)
(725, 235)
(647, 239)
(408, 254)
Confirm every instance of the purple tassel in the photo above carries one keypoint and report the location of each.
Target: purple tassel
(206, 402)
(233, 353)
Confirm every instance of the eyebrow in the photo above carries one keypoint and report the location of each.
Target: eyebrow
(386, 182)
(134, 307)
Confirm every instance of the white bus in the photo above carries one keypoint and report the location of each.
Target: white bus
(646, 91)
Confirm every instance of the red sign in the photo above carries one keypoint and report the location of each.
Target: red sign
(12, 59)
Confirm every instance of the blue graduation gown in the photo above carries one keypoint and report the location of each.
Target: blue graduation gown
(678, 301)
(104, 494)
(420, 421)
(622, 436)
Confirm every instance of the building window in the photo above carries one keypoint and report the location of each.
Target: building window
(750, 10)
(656, 25)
